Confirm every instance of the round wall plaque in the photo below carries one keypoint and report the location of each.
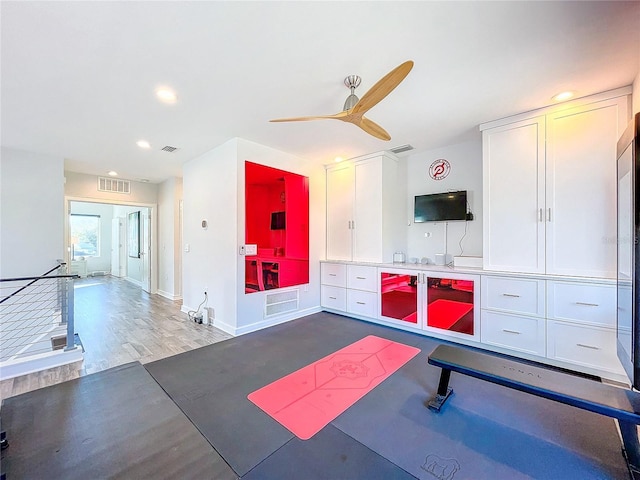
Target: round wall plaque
(439, 169)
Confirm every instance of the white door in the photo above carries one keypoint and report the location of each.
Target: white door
(513, 196)
(145, 249)
(581, 189)
(117, 246)
(339, 212)
(367, 229)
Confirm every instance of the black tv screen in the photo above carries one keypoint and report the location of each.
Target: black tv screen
(439, 207)
(277, 221)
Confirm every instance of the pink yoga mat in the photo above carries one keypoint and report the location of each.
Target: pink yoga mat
(305, 401)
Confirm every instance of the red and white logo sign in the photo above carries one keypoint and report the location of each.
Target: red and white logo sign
(439, 169)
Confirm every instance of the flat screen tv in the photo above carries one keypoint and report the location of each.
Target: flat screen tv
(277, 221)
(440, 207)
(628, 293)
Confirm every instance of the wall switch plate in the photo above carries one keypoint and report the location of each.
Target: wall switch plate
(251, 249)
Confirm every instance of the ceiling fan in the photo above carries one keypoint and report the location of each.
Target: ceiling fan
(354, 108)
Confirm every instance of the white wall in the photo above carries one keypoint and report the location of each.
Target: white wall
(170, 254)
(210, 193)
(213, 190)
(86, 186)
(31, 212)
(636, 88)
(105, 211)
(466, 174)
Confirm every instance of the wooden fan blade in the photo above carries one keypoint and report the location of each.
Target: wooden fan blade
(336, 116)
(372, 128)
(383, 88)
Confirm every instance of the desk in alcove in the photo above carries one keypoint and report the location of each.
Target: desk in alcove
(266, 272)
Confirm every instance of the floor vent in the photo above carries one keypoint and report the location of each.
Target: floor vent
(113, 185)
(59, 342)
(280, 302)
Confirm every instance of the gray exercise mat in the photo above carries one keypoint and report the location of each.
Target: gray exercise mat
(330, 454)
(211, 384)
(113, 424)
(485, 431)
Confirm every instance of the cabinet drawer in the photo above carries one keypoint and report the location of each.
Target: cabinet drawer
(333, 274)
(582, 302)
(525, 334)
(333, 297)
(517, 295)
(589, 346)
(362, 303)
(362, 278)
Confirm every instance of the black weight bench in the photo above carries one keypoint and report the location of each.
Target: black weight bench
(619, 403)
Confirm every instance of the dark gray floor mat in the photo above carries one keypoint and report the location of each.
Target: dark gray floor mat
(330, 454)
(485, 431)
(211, 384)
(113, 424)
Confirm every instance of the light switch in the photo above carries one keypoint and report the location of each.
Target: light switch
(251, 249)
(187, 247)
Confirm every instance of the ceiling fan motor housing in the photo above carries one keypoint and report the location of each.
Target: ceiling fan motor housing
(352, 82)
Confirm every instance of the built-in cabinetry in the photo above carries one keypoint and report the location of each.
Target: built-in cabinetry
(564, 322)
(549, 183)
(364, 206)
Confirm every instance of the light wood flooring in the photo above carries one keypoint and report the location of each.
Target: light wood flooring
(119, 323)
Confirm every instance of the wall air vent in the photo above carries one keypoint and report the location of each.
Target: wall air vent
(280, 302)
(401, 148)
(113, 185)
(169, 148)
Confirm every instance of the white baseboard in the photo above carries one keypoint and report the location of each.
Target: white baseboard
(265, 323)
(37, 363)
(135, 282)
(168, 295)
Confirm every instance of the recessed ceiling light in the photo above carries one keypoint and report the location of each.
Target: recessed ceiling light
(338, 159)
(111, 173)
(143, 144)
(166, 95)
(561, 97)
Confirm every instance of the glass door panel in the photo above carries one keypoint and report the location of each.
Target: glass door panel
(450, 305)
(399, 297)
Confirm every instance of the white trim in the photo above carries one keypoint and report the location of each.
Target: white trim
(37, 363)
(618, 92)
(168, 295)
(132, 280)
(270, 322)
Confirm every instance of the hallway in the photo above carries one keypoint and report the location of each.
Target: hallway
(119, 323)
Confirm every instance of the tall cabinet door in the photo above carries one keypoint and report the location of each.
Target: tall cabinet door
(581, 188)
(367, 233)
(513, 196)
(340, 198)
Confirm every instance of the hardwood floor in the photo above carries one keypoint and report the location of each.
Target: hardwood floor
(119, 323)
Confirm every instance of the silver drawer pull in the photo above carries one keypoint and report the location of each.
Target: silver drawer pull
(332, 275)
(333, 298)
(510, 331)
(361, 303)
(510, 295)
(587, 304)
(587, 346)
(361, 278)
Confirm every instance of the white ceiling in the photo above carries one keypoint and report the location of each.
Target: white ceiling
(78, 78)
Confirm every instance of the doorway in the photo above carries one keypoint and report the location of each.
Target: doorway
(112, 238)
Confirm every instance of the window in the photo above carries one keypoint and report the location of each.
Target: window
(85, 235)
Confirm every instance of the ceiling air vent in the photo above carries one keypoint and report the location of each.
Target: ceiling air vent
(401, 148)
(169, 148)
(113, 185)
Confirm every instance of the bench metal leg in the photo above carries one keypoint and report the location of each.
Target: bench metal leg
(444, 391)
(631, 446)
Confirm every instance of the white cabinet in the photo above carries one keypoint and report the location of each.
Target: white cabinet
(513, 314)
(549, 189)
(364, 209)
(349, 288)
